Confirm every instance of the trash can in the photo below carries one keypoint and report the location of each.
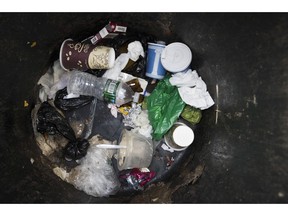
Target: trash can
(240, 151)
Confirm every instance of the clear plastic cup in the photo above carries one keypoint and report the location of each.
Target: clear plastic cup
(138, 152)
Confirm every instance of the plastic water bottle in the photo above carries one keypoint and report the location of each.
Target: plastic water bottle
(111, 91)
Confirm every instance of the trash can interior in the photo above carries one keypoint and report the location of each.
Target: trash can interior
(239, 154)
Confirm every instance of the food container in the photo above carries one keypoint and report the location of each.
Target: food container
(138, 152)
(179, 137)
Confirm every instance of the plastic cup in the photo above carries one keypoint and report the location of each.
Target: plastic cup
(138, 152)
(83, 56)
(176, 57)
(154, 68)
(179, 137)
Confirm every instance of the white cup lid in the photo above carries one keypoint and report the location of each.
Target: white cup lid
(176, 57)
(183, 136)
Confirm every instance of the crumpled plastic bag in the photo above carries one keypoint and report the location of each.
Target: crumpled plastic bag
(164, 107)
(136, 178)
(50, 145)
(76, 149)
(71, 103)
(95, 175)
(191, 114)
(51, 121)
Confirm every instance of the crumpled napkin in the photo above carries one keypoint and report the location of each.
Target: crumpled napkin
(135, 49)
(192, 89)
(53, 80)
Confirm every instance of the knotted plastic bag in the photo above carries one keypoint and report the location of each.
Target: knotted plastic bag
(164, 107)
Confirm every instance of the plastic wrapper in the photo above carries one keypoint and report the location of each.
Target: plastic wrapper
(138, 120)
(82, 119)
(191, 114)
(164, 107)
(105, 124)
(136, 178)
(79, 111)
(72, 103)
(50, 121)
(137, 68)
(95, 175)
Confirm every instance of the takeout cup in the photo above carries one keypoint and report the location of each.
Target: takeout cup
(138, 152)
(83, 56)
(154, 68)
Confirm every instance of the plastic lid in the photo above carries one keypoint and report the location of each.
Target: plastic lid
(161, 42)
(183, 136)
(176, 57)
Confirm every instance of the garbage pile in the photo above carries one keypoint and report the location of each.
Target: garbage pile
(100, 123)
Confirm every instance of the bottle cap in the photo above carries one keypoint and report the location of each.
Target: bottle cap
(176, 57)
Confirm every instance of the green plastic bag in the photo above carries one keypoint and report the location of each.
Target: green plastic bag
(164, 107)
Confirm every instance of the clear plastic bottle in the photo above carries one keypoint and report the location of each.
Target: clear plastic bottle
(109, 90)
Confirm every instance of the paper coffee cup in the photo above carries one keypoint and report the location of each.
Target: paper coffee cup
(154, 68)
(84, 56)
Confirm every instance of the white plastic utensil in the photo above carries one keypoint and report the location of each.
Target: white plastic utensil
(110, 146)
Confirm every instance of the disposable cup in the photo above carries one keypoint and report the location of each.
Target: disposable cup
(154, 68)
(83, 56)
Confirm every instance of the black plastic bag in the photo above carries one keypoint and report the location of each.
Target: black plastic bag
(76, 149)
(51, 121)
(72, 103)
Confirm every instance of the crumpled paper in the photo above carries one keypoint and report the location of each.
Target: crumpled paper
(135, 49)
(192, 89)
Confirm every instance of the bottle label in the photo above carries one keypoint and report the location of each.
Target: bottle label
(110, 90)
